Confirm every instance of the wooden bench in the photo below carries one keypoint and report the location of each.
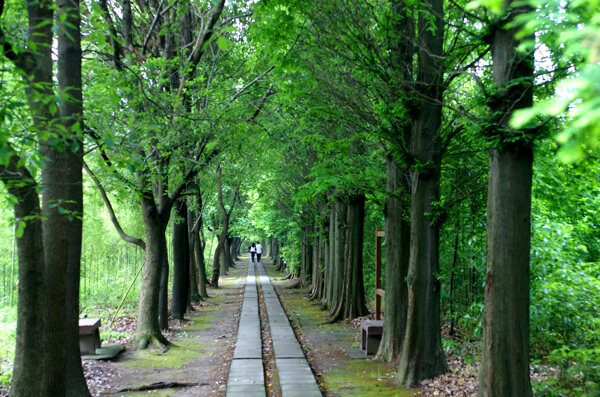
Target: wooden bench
(370, 331)
(89, 335)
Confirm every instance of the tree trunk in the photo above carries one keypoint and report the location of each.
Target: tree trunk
(63, 208)
(194, 296)
(163, 292)
(148, 330)
(328, 295)
(29, 346)
(217, 259)
(181, 262)
(199, 245)
(306, 256)
(339, 255)
(505, 352)
(317, 272)
(397, 249)
(422, 356)
(352, 301)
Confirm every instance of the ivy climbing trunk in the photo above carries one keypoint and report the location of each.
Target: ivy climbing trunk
(397, 249)
(505, 353)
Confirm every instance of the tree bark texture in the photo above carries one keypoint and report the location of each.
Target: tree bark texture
(339, 255)
(27, 370)
(352, 302)
(505, 353)
(148, 330)
(181, 262)
(306, 257)
(194, 278)
(163, 291)
(328, 293)
(397, 249)
(422, 355)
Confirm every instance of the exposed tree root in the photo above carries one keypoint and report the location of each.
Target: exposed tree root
(156, 338)
(158, 386)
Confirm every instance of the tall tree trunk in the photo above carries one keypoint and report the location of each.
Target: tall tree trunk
(194, 277)
(220, 251)
(148, 330)
(199, 245)
(505, 353)
(306, 257)
(163, 292)
(181, 262)
(397, 249)
(352, 302)
(317, 270)
(71, 111)
(27, 370)
(62, 201)
(328, 296)
(422, 355)
(339, 255)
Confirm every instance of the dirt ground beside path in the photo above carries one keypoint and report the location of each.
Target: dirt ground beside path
(201, 355)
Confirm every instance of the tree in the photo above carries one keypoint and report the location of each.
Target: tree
(505, 352)
(58, 371)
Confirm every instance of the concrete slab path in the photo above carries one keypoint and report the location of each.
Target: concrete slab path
(246, 373)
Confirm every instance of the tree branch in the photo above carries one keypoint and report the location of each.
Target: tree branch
(113, 217)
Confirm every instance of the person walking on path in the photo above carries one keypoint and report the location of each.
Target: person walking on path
(258, 251)
(252, 250)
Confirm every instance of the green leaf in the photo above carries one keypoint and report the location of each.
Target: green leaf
(224, 43)
(20, 229)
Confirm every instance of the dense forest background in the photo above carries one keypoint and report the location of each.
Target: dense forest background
(275, 120)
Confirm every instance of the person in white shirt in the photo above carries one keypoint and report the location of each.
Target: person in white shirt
(252, 250)
(258, 251)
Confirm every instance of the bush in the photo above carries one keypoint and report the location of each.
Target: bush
(565, 327)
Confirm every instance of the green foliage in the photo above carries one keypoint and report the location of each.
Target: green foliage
(8, 327)
(569, 31)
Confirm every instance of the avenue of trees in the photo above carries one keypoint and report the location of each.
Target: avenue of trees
(468, 130)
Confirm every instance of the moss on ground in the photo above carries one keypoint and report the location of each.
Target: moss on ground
(363, 378)
(183, 351)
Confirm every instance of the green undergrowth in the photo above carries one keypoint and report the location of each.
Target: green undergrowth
(8, 328)
(363, 378)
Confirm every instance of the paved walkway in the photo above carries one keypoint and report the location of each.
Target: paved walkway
(246, 374)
